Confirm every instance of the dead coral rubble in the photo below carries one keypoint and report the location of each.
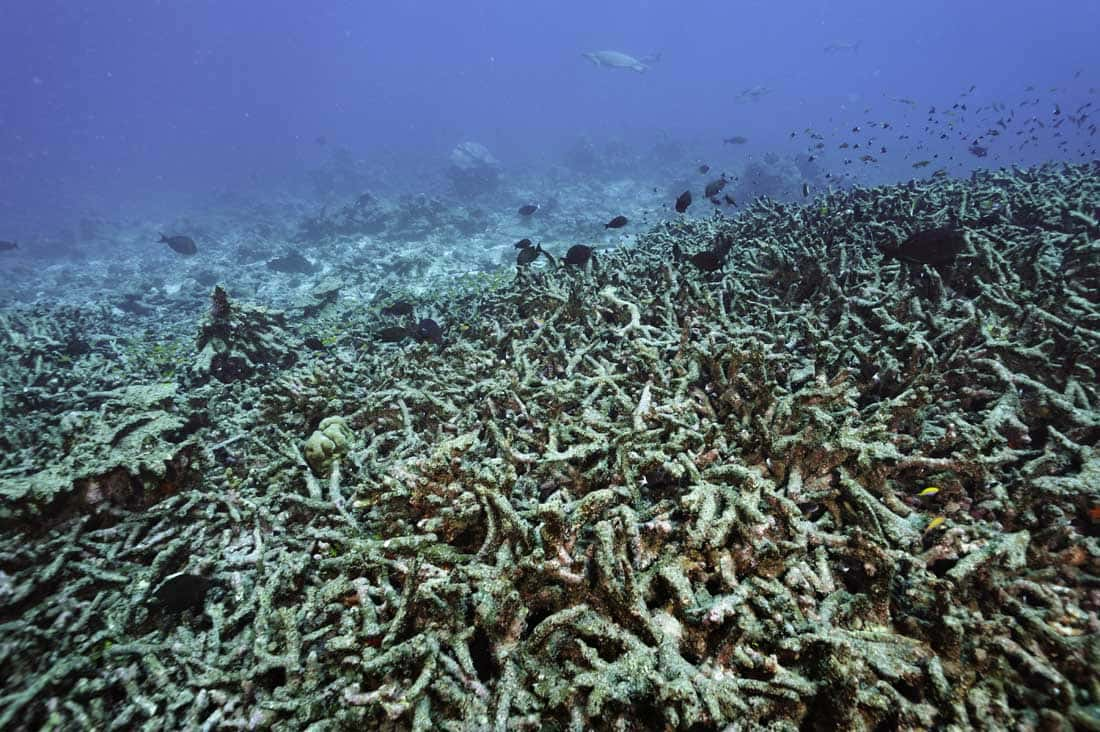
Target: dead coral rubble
(647, 497)
(79, 433)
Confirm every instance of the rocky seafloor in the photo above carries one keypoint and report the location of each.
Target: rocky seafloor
(631, 496)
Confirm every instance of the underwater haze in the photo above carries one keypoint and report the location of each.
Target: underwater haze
(549, 365)
(120, 104)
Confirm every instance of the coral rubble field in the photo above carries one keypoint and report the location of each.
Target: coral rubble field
(818, 488)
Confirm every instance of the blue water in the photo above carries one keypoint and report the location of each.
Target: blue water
(120, 105)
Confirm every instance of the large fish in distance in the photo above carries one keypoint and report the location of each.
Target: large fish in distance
(616, 60)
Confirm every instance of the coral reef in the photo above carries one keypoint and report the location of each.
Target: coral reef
(818, 489)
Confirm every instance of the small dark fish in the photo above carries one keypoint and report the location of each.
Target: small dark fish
(291, 263)
(181, 591)
(805, 189)
(529, 254)
(180, 244)
(321, 140)
(978, 151)
(528, 209)
(934, 247)
(714, 187)
(401, 308)
(706, 261)
(730, 200)
(131, 303)
(922, 163)
(735, 140)
(616, 223)
(704, 169)
(522, 244)
(578, 255)
(314, 343)
(393, 334)
(7, 246)
(683, 201)
(429, 330)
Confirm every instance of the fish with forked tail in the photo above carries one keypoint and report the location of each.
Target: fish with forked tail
(618, 60)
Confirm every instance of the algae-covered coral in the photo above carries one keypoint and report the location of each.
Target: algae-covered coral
(641, 496)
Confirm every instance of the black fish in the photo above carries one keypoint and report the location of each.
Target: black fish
(730, 201)
(292, 262)
(616, 223)
(683, 202)
(393, 334)
(529, 254)
(735, 140)
(180, 244)
(714, 187)
(400, 308)
(7, 246)
(978, 151)
(706, 261)
(181, 591)
(805, 189)
(578, 255)
(429, 330)
(934, 247)
(528, 209)
(522, 244)
(704, 169)
(722, 245)
(314, 343)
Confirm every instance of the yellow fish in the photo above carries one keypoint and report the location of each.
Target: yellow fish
(929, 491)
(935, 523)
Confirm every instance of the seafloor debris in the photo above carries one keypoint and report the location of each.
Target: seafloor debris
(644, 498)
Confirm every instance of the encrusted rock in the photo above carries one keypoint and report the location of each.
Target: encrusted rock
(473, 168)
